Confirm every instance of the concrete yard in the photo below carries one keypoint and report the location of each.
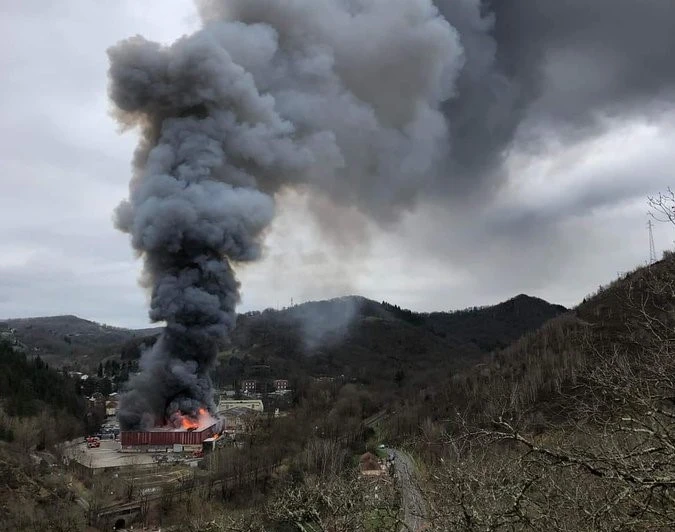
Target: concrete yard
(107, 455)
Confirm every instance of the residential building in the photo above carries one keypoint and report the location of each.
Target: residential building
(111, 407)
(249, 386)
(96, 406)
(281, 385)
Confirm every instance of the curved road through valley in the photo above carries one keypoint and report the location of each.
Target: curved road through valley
(412, 501)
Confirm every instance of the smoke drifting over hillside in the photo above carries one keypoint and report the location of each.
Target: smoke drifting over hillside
(371, 104)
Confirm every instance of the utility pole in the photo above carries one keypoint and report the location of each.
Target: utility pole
(652, 248)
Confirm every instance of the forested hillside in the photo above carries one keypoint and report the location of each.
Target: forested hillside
(351, 336)
(29, 388)
(569, 428)
(62, 340)
(374, 342)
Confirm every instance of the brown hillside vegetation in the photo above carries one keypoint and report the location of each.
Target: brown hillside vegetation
(538, 373)
(375, 342)
(34, 495)
(61, 340)
(352, 336)
(570, 428)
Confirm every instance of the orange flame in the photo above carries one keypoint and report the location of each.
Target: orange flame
(190, 422)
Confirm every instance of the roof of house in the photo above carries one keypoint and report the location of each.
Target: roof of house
(369, 462)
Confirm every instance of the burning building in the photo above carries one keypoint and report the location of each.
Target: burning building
(190, 435)
(161, 439)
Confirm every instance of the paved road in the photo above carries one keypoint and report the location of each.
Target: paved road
(414, 507)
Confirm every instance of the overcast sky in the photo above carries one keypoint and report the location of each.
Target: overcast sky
(566, 218)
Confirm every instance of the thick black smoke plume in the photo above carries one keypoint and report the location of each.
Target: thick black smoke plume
(236, 111)
(369, 103)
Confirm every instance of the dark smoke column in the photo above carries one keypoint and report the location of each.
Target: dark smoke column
(192, 209)
(340, 98)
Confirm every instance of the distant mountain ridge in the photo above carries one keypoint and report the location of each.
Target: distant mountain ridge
(351, 334)
(370, 341)
(492, 327)
(67, 338)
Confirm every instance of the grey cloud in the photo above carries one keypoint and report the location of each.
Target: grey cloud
(566, 229)
(50, 283)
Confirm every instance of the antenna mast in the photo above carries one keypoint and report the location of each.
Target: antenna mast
(652, 248)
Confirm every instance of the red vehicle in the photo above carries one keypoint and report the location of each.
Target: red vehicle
(93, 442)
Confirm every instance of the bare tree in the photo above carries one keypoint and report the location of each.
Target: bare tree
(336, 504)
(323, 457)
(663, 206)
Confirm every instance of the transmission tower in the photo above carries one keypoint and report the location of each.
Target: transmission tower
(652, 248)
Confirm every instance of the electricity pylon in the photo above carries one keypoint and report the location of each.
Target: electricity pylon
(652, 248)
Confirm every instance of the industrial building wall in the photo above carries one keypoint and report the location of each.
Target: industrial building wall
(165, 437)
